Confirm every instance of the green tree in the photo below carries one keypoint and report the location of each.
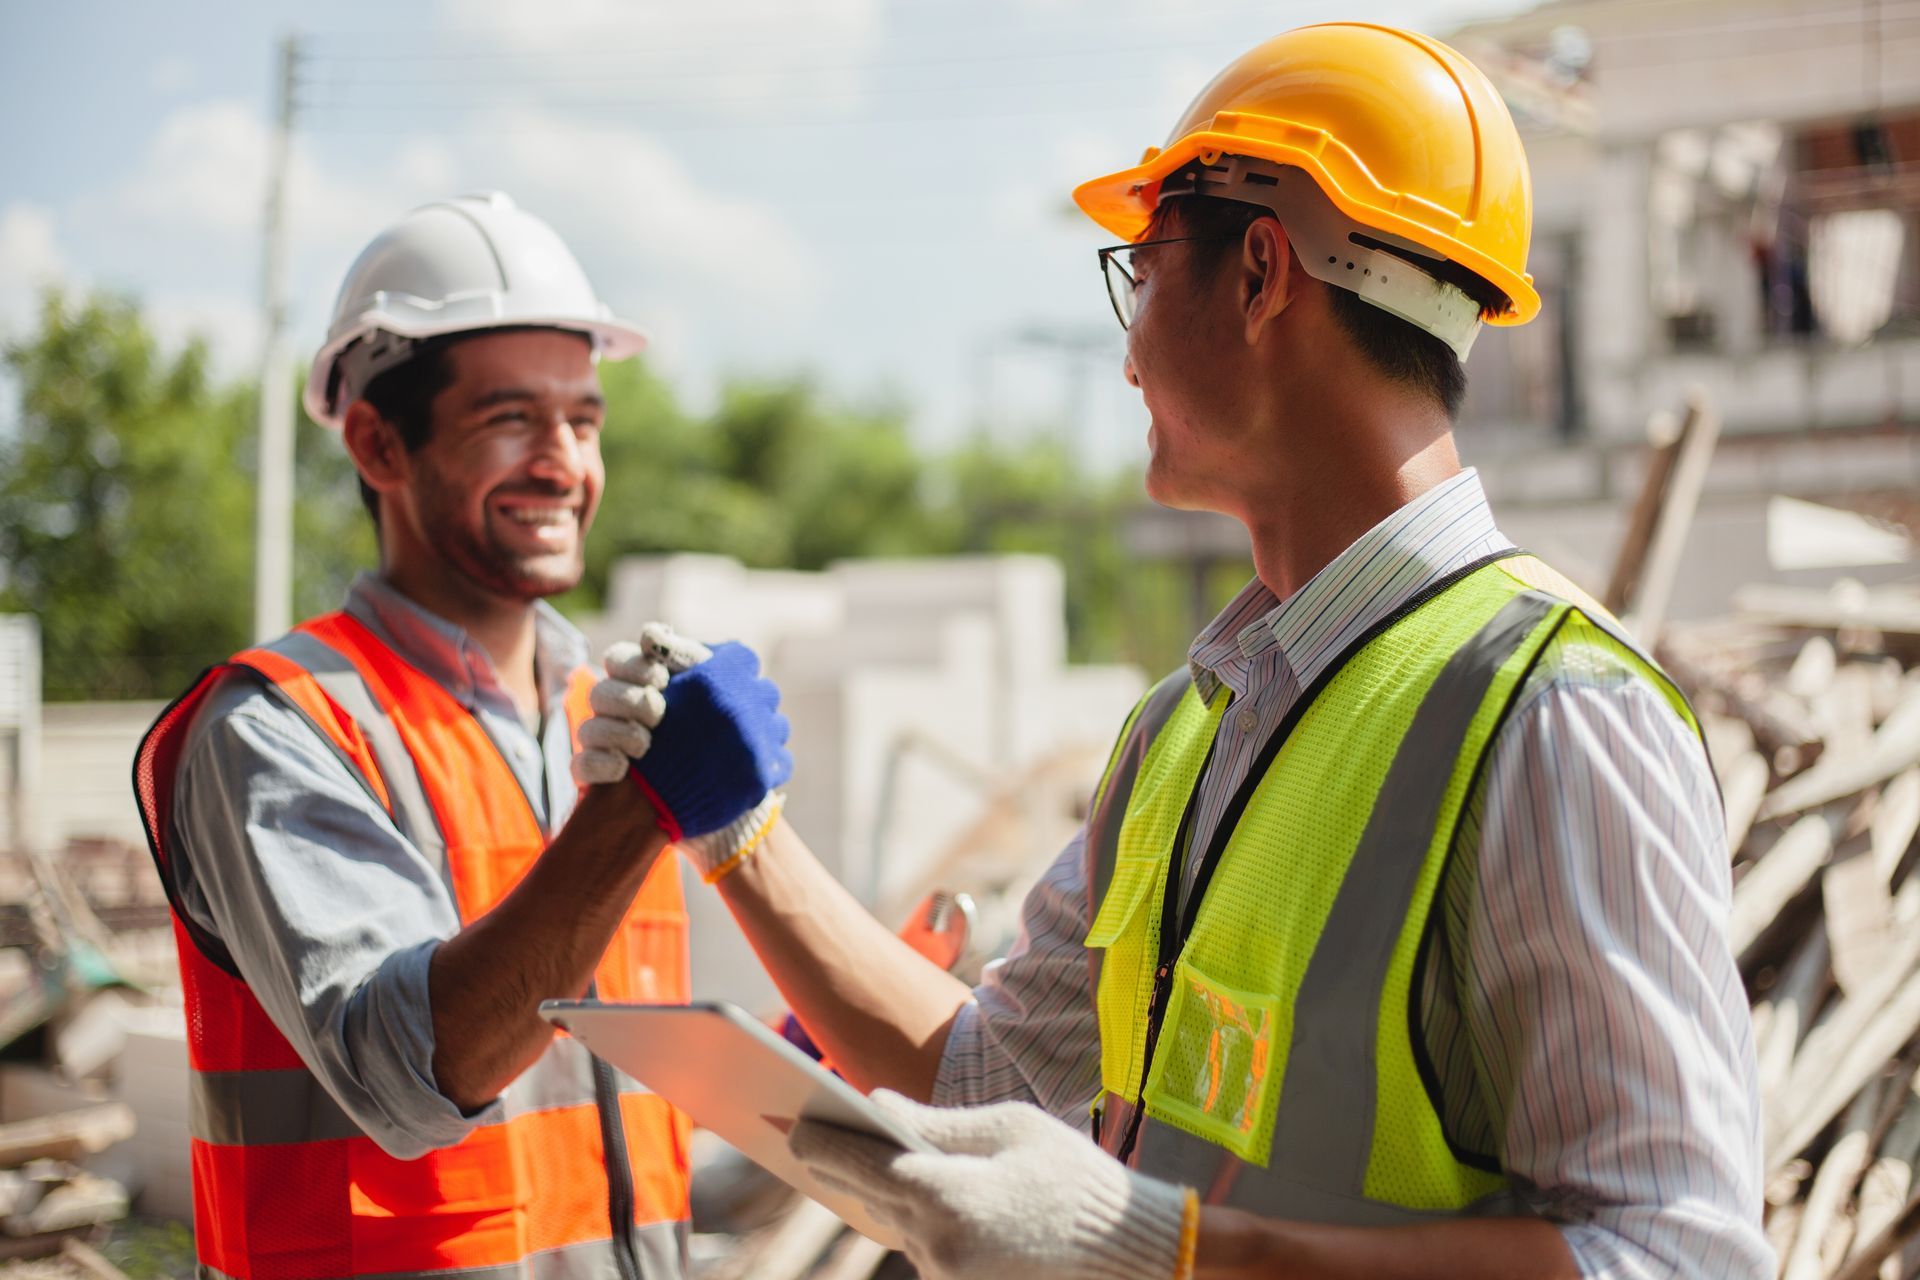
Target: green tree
(775, 477)
(123, 521)
(126, 505)
(1030, 497)
(664, 492)
(844, 482)
(333, 536)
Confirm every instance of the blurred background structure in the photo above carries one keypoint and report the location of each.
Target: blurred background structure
(883, 437)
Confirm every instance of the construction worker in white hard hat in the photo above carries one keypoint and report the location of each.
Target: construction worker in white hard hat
(369, 836)
(1395, 943)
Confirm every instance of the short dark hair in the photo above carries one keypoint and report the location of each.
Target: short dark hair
(1399, 350)
(404, 396)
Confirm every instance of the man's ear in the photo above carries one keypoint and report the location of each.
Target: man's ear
(375, 448)
(1270, 276)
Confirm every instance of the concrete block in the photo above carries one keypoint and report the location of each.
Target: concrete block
(150, 1076)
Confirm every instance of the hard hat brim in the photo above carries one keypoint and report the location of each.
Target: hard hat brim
(612, 340)
(1123, 202)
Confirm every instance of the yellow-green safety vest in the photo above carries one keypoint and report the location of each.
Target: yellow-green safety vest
(1274, 1037)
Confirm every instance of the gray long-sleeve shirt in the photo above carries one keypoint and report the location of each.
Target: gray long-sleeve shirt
(331, 914)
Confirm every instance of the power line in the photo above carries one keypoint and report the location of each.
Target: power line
(729, 41)
(341, 93)
(754, 125)
(831, 97)
(683, 72)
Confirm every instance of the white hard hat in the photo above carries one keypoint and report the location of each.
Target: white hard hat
(473, 262)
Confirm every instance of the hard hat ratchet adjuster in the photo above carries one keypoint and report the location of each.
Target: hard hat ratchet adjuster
(1380, 267)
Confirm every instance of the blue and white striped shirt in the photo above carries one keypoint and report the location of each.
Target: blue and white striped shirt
(1582, 1006)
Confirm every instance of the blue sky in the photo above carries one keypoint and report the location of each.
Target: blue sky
(870, 191)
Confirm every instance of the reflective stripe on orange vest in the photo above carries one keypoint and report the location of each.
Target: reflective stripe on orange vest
(286, 1187)
(659, 1248)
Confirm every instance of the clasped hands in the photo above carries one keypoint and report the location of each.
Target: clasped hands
(1007, 1191)
(699, 731)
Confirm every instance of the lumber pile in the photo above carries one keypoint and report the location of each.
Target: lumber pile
(74, 1260)
(92, 1100)
(1810, 699)
(46, 1199)
(1812, 711)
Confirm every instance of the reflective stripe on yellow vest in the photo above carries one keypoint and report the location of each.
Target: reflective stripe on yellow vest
(1275, 1047)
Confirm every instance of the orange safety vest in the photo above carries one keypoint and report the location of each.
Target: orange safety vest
(286, 1186)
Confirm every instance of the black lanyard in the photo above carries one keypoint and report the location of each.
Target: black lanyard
(1175, 932)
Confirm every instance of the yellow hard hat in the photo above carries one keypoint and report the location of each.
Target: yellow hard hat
(1402, 134)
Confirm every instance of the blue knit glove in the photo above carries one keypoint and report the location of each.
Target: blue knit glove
(720, 747)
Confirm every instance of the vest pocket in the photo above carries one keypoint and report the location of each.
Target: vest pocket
(1120, 933)
(1217, 1066)
(1133, 880)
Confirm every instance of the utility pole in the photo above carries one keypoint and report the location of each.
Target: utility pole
(273, 494)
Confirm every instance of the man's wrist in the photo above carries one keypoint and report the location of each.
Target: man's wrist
(620, 821)
(662, 816)
(1228, 1241)
(723, 852)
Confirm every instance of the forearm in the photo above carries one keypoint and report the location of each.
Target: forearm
(878, 1008)
(541, 942)
(1234, 1243)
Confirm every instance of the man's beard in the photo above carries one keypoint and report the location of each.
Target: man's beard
(496, 569)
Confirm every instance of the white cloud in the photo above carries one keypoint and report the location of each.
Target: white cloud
(171, 75)
(1040, 202)
(228, 323)
(642, 213)
(205, 168)
(1177, 82)
(182, 227)
(727, 58)
(30, 260)
(205, 172)
(425, 165)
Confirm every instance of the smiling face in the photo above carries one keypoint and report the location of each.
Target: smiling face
(505, 486)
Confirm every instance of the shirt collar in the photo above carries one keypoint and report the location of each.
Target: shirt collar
(446, 654)
(1223, 653)
(1440, 532)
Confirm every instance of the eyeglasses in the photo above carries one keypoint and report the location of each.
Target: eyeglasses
(1120, 281)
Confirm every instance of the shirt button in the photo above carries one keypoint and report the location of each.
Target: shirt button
(1247, 720)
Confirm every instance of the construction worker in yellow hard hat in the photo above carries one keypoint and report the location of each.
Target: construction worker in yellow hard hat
(1394, 943)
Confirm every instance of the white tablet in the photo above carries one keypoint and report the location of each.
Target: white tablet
(736, 1077)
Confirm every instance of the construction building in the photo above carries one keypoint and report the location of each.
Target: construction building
(1727, 200)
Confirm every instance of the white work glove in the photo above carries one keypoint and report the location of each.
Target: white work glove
(627, 706)
(1016, 1194)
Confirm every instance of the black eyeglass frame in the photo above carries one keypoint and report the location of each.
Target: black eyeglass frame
(1110, 266)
